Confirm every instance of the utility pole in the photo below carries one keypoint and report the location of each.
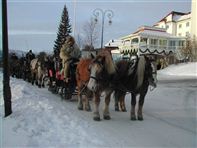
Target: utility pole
(6, 73)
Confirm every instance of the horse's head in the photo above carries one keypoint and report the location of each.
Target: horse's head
(151, 72)
(101, 68)
(97, 69)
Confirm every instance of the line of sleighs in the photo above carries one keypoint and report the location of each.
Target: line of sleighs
(89, 77)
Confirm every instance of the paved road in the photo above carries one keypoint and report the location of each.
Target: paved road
(178, 82)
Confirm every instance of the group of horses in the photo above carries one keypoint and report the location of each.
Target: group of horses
(99, 75)
(32, 70)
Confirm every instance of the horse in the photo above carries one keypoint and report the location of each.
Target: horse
(134, 77)
(82, 78)
(38, 69)
(101, 71)
(14, 66)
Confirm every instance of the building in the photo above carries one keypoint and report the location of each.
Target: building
(194, 18)
(166, 38)
(176, 23)
(153, 41)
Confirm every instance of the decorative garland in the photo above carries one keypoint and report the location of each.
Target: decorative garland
(156, 51)
(134, 51)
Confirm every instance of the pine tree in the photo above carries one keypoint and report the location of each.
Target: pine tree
(63, 31)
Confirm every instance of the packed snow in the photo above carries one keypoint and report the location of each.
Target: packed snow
(42, 119)
(182, 70)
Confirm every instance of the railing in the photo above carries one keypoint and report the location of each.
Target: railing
(148, 46)
(160, 47)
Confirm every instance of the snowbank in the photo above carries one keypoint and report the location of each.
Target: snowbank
(179, 71)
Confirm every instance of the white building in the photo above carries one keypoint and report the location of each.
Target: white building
(176, 23)
(194, 18)
(151, 40)
(166, 37)
(147, 39)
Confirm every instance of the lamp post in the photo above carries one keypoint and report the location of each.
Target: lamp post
(108, 13)
(6, 74)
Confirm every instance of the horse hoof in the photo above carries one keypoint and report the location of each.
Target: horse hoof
(140, 118)
(106, 117)
(133, 118)
(80, 107)
(117, 109)
(88, 109)
(124, 110)
(97, 119)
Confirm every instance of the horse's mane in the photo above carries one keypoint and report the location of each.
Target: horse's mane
(122, 68)
(140, 71)
(82, 72)
(109, 64)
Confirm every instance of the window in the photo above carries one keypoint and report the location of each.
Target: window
(187, 34)
(167, 26)
(162, 42)
(181, 43)
(172, 43)
(153, 41)
(187, 24)
(143, 40)
(135, 40)
(179, 34)
(180, 25)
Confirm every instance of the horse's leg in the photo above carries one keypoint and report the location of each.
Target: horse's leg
(106, 114)
(96, 107)
(117, 96)
(39, 77)
(32, 78)
(133, 103)
(141, 103)
(122, 103)
(36, 78)
(80, 101)
(39, 82)
(42, 80)
(87, 104)
(140, 106)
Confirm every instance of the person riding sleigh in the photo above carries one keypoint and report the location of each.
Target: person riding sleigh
(69, 53)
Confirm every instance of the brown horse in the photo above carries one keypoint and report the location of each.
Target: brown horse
(101, 71)
(82, 78)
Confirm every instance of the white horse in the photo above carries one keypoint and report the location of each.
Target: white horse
(38, 71)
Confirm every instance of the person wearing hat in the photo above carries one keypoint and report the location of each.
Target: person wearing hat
(69, 52)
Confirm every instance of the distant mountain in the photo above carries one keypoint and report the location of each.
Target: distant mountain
(18, 53)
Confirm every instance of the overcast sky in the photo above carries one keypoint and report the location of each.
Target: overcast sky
(33, 24)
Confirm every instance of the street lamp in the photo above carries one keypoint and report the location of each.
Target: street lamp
(6, 74)
(108, 13)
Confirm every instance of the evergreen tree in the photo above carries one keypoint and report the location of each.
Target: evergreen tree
(63, 31)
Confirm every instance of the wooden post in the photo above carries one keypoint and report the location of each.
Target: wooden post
(6, 74)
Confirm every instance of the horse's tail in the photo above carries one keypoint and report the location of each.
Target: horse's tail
(140, 71)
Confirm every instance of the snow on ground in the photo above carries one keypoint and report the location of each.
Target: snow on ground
(42, 119)
(179, 71)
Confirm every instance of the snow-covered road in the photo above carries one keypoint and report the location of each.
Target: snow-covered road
(42, 119)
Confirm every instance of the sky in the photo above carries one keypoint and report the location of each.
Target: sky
(33, 24)
(41, 119)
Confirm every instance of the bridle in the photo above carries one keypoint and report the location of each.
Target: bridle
(99, 78)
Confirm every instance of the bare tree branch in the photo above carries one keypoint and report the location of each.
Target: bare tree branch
(91, 33)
